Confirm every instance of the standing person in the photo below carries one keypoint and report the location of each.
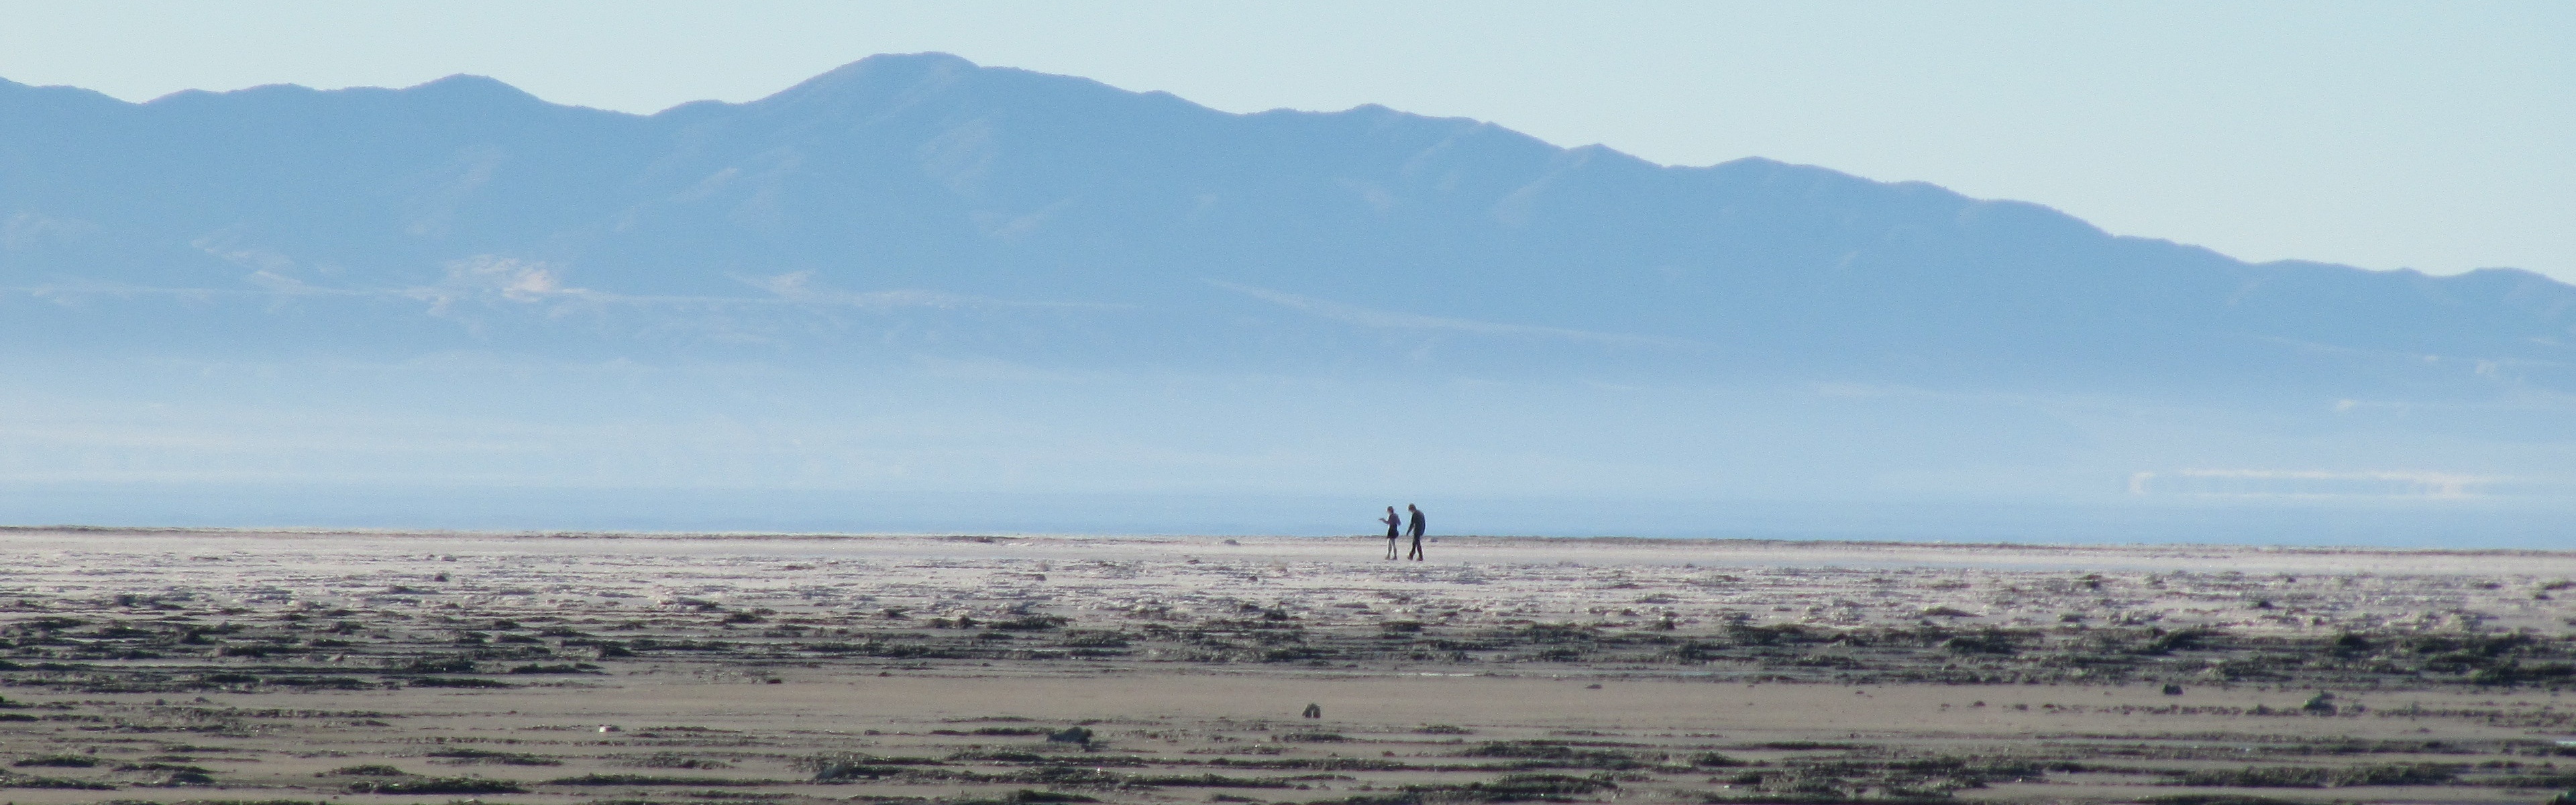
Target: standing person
(1392, 522)
(1417, 531)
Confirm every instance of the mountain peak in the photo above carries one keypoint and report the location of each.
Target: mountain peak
(474, 91)
(54, 95)
(875, 74)
(464, 84)
(452, 92)
(923, 62)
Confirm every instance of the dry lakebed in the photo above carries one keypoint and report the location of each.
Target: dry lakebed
(284, 668)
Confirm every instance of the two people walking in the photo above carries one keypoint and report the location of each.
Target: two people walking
(1394, 523)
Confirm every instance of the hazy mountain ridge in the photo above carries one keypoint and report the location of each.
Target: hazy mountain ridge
(927, 173)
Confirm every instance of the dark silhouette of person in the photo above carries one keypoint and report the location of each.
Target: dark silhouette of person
(1392, 523)
(1417, 532)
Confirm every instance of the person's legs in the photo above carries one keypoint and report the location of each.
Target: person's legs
(1417, 549)
(1390, 547)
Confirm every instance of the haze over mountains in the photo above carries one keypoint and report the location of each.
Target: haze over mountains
(913, 275)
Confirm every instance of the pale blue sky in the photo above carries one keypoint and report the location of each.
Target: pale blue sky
(2438, 136)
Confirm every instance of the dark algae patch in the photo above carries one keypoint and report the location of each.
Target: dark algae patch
(462, 756)
(436, 785)
(656, 780)
(2323, 776)
(1509, 788)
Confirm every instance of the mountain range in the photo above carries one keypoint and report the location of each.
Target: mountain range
(907, 220)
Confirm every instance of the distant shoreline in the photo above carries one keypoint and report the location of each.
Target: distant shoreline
(1449, 549)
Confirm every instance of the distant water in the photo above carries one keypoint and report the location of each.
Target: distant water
(2427, 524)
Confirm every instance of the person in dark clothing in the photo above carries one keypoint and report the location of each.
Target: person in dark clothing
(1392, 523)
(1417, 532)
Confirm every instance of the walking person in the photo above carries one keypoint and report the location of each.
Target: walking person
(1392, 523)
(1417, 531)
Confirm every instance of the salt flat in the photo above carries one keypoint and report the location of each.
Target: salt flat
(164, 666)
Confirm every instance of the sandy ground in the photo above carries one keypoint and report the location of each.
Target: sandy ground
(379, 667)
